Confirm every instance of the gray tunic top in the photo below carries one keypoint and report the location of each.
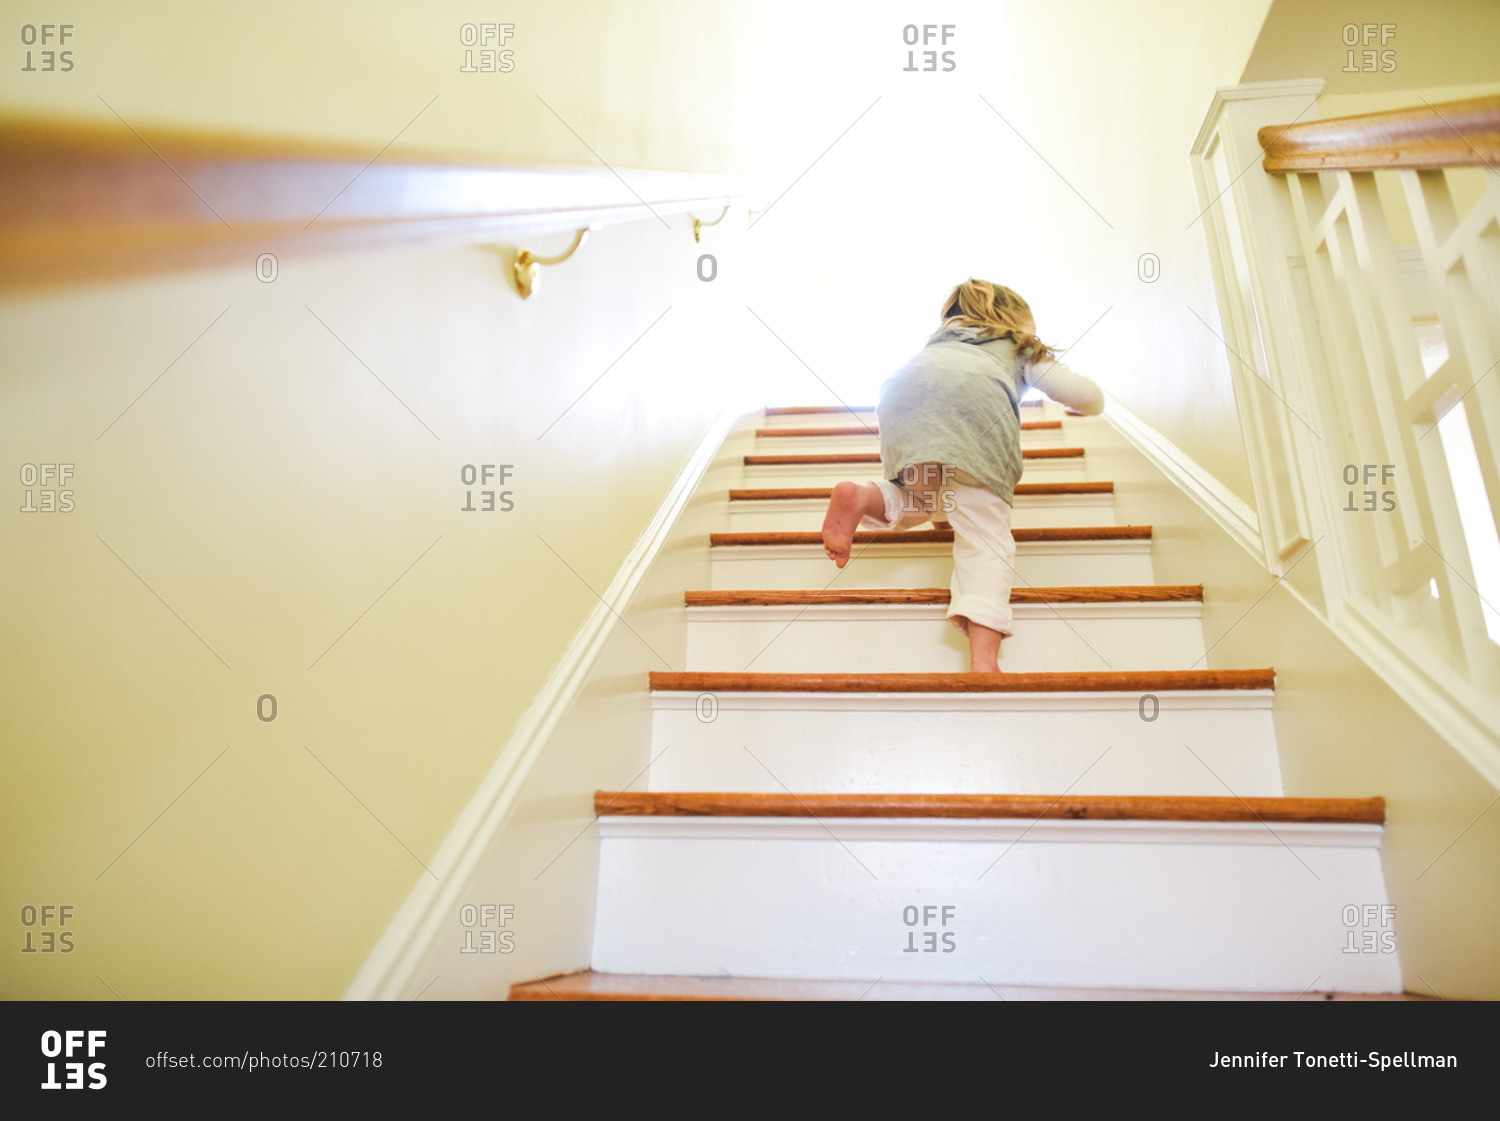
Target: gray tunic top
(958, 402)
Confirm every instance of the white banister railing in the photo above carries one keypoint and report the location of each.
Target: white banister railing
(1421, 426)
(1357, 268)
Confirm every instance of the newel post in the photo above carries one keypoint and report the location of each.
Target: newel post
(1265, 307)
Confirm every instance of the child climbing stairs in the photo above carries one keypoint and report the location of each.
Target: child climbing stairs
(834, 811)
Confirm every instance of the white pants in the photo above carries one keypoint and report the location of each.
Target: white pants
(984, 552)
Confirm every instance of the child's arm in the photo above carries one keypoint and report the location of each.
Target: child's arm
(1065, 387)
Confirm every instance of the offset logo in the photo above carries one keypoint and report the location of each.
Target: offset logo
(927, 917)
(482, 473)
(911, 35)
(53, 478)
(66, 1045)
(51, 938)
(1371, 60)
(49, 37)
(1366, 504)
(1368, 928)
(491, 919)
(489, 38)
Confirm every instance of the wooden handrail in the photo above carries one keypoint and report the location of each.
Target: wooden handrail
(87, 201)
(1449, 134)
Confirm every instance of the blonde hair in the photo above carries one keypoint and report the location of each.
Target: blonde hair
(994, 310)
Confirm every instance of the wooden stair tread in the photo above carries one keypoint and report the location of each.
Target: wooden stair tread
(767, 597)
(809, 410)
(1080, 807)
(874, 457)
(874, 430)
(771, 538)
(589, 985)
(751, 494)
(1093, 681)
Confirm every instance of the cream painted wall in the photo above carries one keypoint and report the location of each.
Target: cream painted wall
(654, 83)
(1434, 43)
(264, 516)
(277, 500)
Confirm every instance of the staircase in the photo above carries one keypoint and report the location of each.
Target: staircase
(834, 811)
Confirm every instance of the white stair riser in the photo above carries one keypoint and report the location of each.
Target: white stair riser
(833, 445)
(1072, 469)
(1040, 564)
(909, 638)
(1030, 510)
(824, 420)
(1172, 905)
(1194, 743)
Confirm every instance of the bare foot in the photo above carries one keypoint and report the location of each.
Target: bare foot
(848, 503)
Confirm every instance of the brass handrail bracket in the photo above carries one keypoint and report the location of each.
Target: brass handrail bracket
(526, 263)
(699, 224)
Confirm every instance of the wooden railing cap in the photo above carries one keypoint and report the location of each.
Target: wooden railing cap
(1449, 134)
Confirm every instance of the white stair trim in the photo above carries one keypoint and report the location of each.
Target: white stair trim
(998, 830)
(1103, 547)
(1235, 516)
(906, 612)
(816, 507)
(1175, 700)
(768, 474)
